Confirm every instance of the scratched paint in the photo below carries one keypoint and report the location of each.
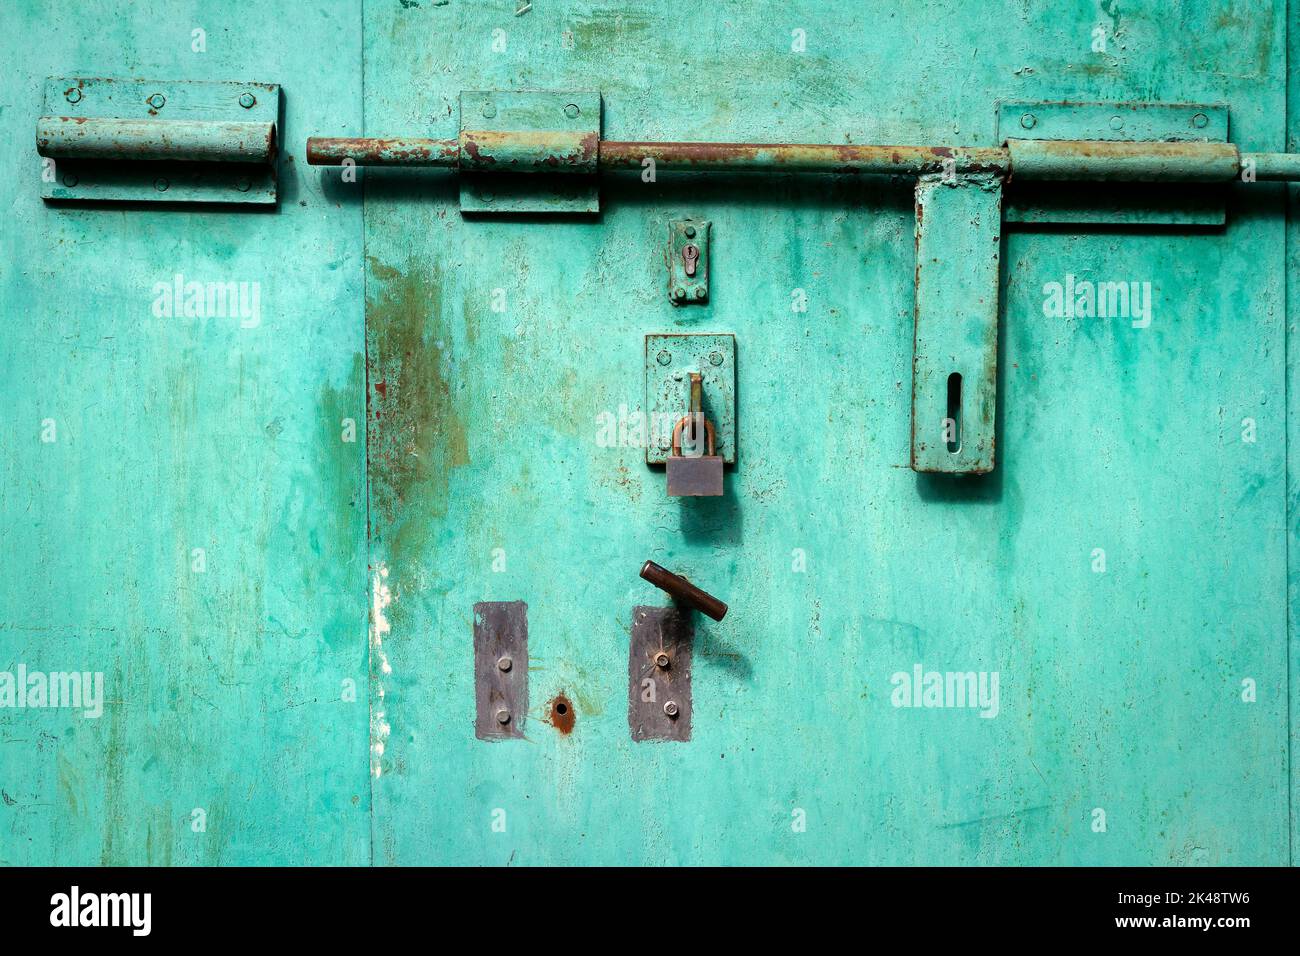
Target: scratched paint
(491, 348)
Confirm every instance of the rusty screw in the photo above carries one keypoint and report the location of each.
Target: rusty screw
(503, 716)
(670, 708)
(504, 664)
(682, 590)
(661, 661)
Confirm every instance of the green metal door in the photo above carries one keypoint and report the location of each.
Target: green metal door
(278, 540)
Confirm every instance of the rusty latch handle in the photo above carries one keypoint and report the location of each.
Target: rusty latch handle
(682, 590)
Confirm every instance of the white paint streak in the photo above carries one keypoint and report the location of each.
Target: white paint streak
(380, 598)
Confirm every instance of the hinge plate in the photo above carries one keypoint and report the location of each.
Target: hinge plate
(127, 180)
(500, 669)
(1114, 203)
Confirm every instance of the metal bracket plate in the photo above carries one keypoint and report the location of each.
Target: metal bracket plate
(669, 358)
(684, 289)
(659, 688)
(1122, 203)
(156, 180)
(500, 669)
(954, 371)
(570, 114)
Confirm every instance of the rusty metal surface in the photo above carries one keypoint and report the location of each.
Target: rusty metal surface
(81, 137)
(659, 704)
(684, 591)
(1100, 161)
(370, 151)
(500, 669)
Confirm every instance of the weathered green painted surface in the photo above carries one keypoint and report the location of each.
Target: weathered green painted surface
(492, 347)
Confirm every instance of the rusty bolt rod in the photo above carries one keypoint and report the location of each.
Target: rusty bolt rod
(682, 590)
(1081, 160)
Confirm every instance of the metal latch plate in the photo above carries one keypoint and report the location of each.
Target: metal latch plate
(132, 180)
(669, 360)
(500, 669)
(571, 114)
(688, 261)
(1114, 203)
(659, 688)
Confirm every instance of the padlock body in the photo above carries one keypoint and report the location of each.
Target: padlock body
(694, 475)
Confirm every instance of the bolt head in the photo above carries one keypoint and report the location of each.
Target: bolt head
(161, 184)
(661, 660)
(664, 357)
(700, 293)
(69, 179)
(670, 708)
(503, 716)
(690, 232)
(679, 293)
(1028, 120)
(489, 110)
(244, 185)
(157, 101)
(572, 111)
(73, 96)
(1200, 120)
(247, 101)
(504, 664)
(1116, 122)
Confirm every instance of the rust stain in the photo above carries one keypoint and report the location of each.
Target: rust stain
(560, 713)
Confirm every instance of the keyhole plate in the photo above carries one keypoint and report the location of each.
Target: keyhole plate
(688, 275)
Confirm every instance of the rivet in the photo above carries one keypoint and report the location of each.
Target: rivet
(157, 101)
(69, 179)
(572, 111)
(1028, 120)
(1116, 122)
(664, 357)
(670, 708)
(504, 664)
(486, 196)
(489, 110)
(661, 661)
(73, 96)
(247, 101)
(690, 232)
(503, 716)
(700, 293)
(1200, 120)
(243, 185)
(161, 184)
(715, 358)
(679, 293)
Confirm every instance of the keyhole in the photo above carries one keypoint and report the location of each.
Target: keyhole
(952, 424)
(690, 255)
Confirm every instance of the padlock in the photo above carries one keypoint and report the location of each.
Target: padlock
(694, 475)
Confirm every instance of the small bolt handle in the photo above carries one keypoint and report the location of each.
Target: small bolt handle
(682, 590)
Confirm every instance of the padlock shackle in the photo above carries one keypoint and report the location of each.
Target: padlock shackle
(677, 435)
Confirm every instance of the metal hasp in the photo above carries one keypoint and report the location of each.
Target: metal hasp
(1138, 142)
(670, 358)
(500, 669)
(694, 468)
(688, 261)
(159, 141)
(954, 367)
(507, 138)
(659, 674)
(683, 591)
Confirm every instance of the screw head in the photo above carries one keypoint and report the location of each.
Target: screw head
(247, 101)
(157, 101)
(1117, 122)
(664, 357)
(1028, 120)
(1200, 121)
(489, 110)
(661, 661)
(700, 293)
(572, 111)
(670, 708)
(244, 185)
(69, 179)
(679, 293)
(161, 184)
(690, 232)
(504, 664)
(503, 716)
(73, 96)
